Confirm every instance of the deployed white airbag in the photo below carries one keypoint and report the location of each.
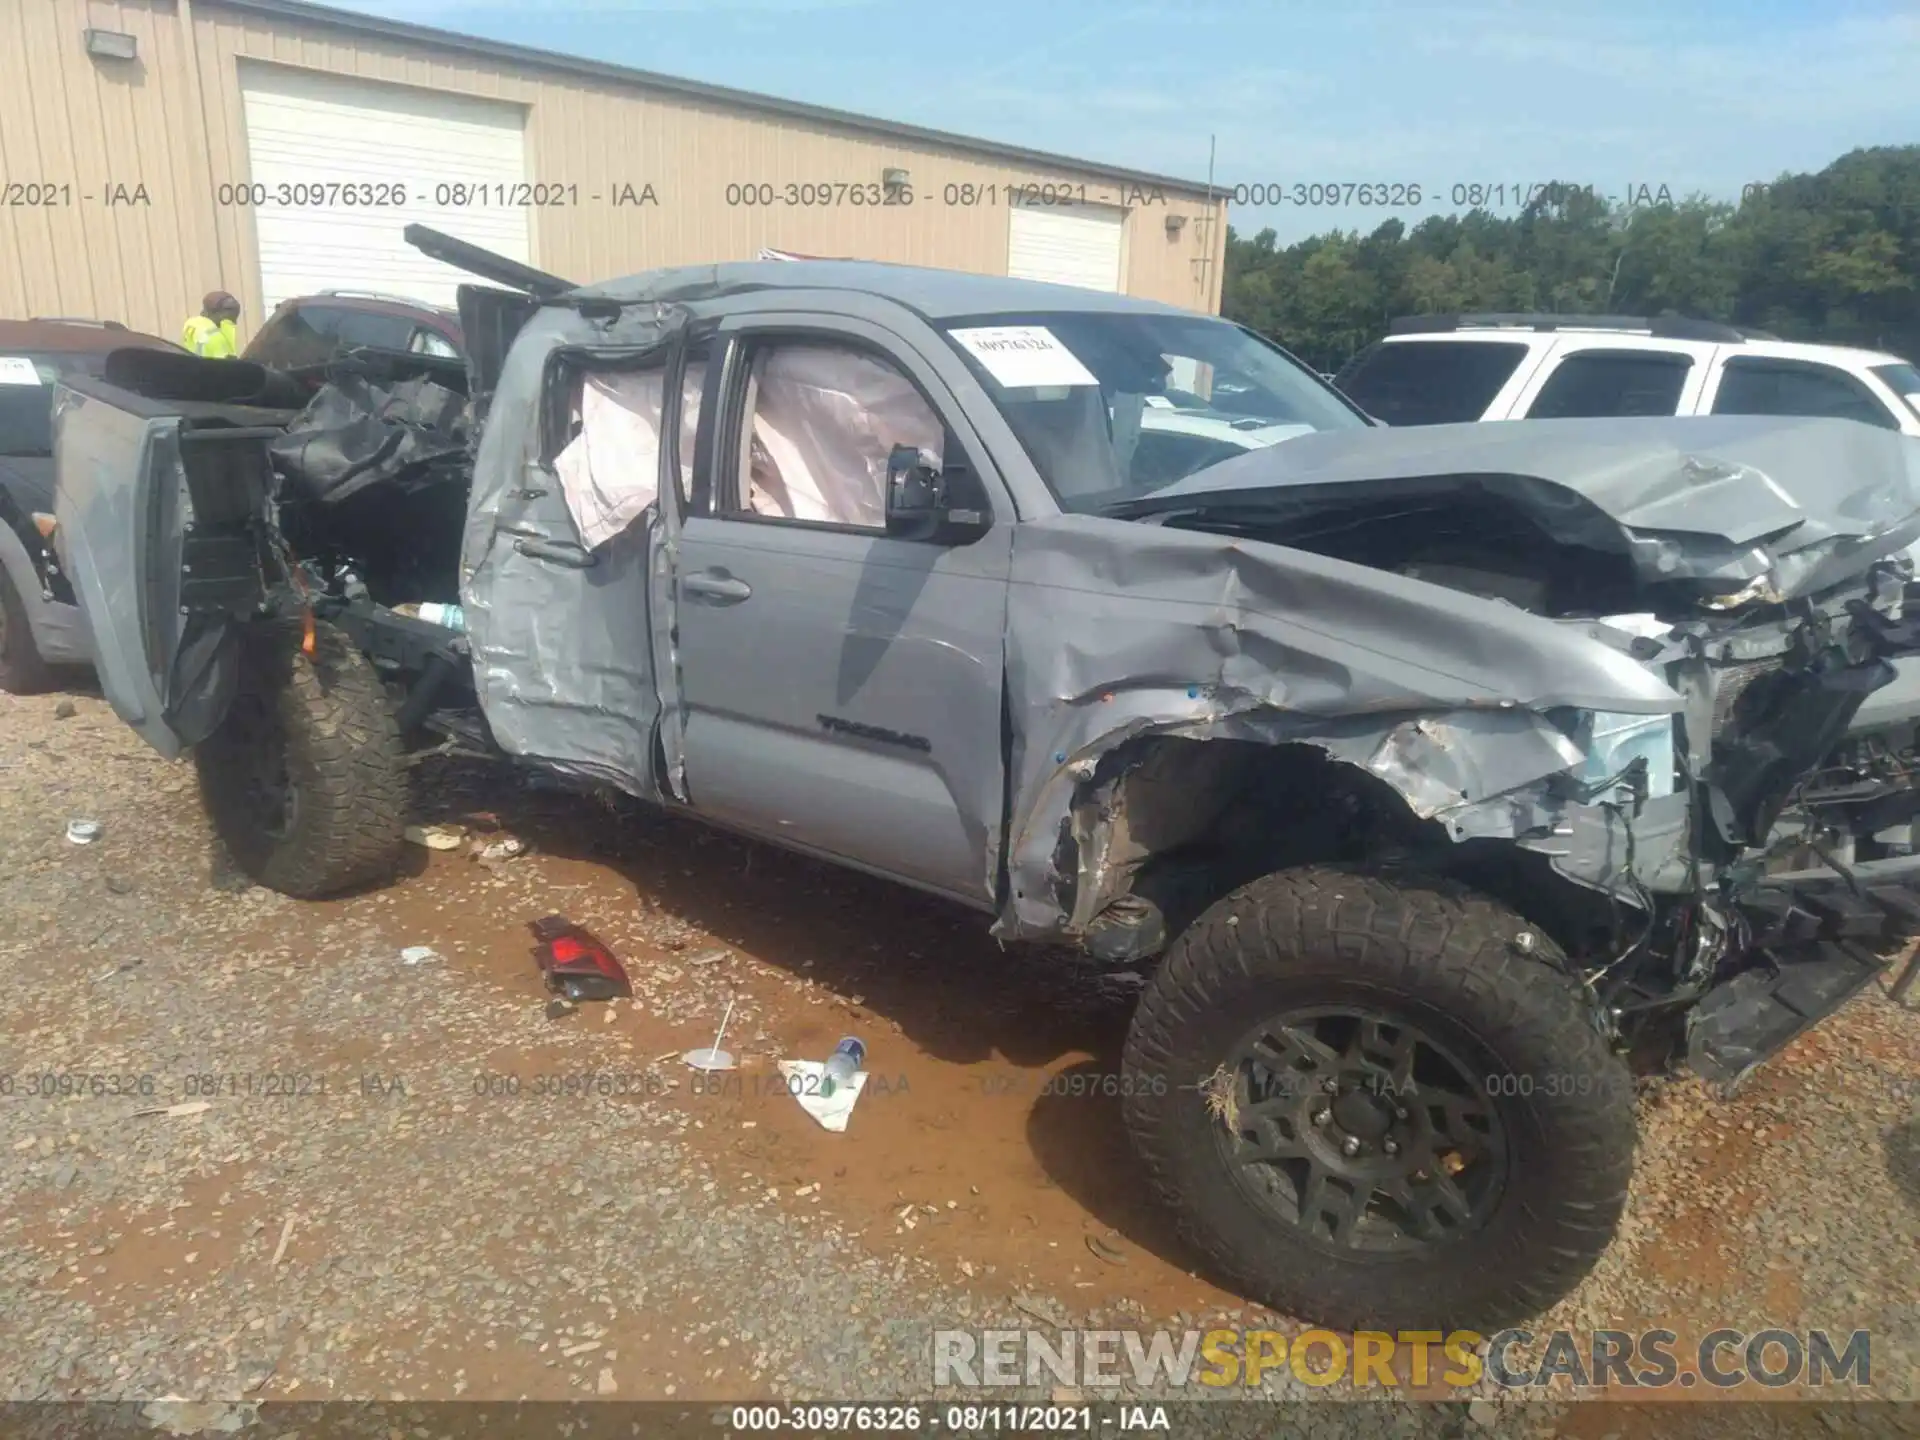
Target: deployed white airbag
(824, 421)
(610, 471)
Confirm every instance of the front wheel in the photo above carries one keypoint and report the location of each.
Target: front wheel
(305, 779)
(1380, 1104)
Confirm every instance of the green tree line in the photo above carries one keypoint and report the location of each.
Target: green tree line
(1831, 257)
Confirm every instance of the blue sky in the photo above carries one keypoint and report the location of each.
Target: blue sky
(1701, 96)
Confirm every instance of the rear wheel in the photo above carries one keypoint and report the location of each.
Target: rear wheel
(1380, 1104)
(22, 669)
(305, 780)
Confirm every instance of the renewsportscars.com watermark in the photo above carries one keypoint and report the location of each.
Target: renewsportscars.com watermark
(1517, 1359)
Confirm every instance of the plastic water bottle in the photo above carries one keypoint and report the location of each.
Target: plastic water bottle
(842, 1065)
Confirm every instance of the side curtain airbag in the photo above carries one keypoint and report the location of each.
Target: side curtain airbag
(610, 471)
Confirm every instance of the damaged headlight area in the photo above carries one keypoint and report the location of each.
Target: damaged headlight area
(1637, 751)
(1761, 590)
(1765, 861)
(1646, 843)
(1653, 688)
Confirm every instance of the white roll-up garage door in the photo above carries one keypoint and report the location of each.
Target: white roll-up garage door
(1067, 245)
(310, 133)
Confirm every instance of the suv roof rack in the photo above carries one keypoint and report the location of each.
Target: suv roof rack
(1664, 327)
(77, 320)
(409, 300)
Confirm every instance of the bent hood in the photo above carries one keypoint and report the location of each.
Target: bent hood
(1797, 503)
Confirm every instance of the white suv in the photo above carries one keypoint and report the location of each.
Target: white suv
(1443, 369)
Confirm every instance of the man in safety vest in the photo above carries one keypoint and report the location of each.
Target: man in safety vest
(211, 333)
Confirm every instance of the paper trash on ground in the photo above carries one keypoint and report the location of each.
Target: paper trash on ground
(436, 837)
(1023, 355)
(830, 1110)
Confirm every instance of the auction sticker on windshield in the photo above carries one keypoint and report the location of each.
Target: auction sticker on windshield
(1020, 356)
(15, 370)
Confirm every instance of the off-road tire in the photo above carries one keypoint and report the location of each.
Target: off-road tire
(1452, 962)
(23, 671)
(344, 765)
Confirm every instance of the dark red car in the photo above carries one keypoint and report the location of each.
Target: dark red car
(312, 329)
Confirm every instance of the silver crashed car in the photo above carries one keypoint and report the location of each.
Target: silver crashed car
(1423, 775)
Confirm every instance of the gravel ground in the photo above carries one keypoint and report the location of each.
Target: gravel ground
(389, 1231)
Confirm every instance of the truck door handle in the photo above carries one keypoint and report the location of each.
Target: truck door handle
(718, 587)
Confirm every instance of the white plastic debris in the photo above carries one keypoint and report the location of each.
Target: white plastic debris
(83, 832)
(831, 1110)
(436, 837)
(419, 955)
(712, 1057)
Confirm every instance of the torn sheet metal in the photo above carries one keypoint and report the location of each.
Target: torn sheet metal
(1783, 504)
(1441, 762)
(551, 621)
(1184, 633)
(1591, 844)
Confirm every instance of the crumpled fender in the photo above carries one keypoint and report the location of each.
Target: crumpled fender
(1118, 629)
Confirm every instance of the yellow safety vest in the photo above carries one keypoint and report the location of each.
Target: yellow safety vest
(215, 339)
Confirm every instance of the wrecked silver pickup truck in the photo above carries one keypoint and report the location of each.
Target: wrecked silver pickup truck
(1426, 774)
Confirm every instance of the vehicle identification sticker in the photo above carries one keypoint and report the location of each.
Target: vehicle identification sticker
(17, 370)
(1024, 355)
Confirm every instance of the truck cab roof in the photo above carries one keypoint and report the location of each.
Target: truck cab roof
(936, 294)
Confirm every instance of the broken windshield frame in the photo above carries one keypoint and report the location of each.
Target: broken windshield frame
(1148, 400)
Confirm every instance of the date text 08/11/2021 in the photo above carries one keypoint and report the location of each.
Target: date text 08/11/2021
(814, 194)
(958, 1418)
(811, 194)
(441, 194)
(1461, 195)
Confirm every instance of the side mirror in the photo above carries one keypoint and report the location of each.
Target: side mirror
(926, 502)
(915, 489)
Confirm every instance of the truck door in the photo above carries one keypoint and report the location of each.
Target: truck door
(561, 527)
(838, 688)
(161, 516)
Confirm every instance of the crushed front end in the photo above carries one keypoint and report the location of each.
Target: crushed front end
(1647, 682)
(1755, 915)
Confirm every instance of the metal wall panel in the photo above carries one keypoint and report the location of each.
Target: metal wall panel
(173, 122)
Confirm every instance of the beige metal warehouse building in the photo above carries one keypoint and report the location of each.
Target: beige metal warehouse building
(151, 150)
